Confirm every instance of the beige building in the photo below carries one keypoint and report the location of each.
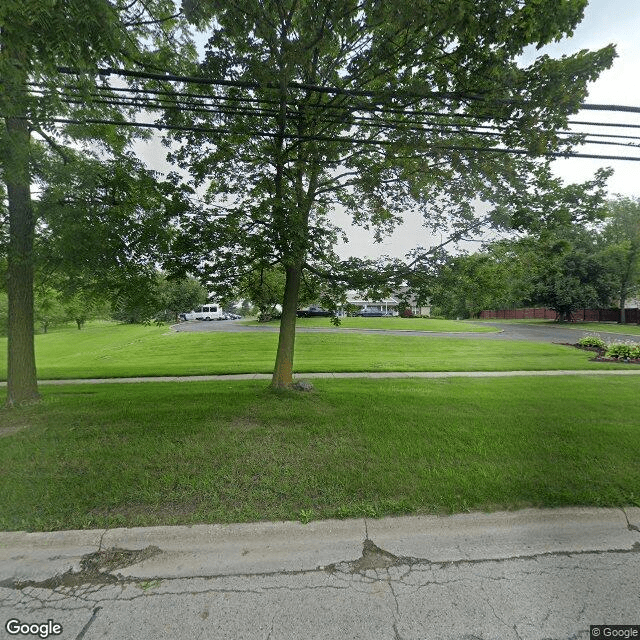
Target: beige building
(387, 306)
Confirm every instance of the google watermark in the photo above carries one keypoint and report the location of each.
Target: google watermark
(600, 631)
(15, 627)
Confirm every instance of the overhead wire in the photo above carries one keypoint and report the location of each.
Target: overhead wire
(341, 139)
(182, 104)
(380, 118)
(191, 106)
(450, 129)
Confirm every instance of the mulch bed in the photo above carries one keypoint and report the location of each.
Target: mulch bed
(600, 357)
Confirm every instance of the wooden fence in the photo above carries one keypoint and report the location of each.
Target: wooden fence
(632, 316)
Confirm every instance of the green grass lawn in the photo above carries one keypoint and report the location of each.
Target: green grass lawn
(391, 324)
(168, 453)
(112, 350)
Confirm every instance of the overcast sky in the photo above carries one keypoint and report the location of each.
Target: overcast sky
(605, 22)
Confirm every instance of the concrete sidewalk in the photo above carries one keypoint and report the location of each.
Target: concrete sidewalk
(355, 374)
(531, 574)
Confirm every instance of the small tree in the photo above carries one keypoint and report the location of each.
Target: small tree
(49, 310)
(178, 295)
(82, 306)
(265, 290)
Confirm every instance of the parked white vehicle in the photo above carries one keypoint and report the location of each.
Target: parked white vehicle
(209, 311)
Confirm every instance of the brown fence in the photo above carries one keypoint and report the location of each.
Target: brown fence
(632, 316)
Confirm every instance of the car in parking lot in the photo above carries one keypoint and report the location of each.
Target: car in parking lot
(209, 311)
(313, 312)
(370, 313)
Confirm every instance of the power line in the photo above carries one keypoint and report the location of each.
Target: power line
(244, 84)
(621, 125)
(609, 107)
(390, 118)
(178, 103)
(149, 103)
(381, 95)
(354, 141)
(444, 128)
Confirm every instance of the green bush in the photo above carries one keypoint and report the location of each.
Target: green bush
(592, 341)
(623, 350)
(618, 349)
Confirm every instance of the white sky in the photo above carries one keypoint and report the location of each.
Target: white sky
(605, 22)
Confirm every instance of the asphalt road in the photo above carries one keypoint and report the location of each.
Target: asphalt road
(506, 331)
(525, 575)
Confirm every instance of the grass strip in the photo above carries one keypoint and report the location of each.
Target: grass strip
(165, 453)
(111, 351)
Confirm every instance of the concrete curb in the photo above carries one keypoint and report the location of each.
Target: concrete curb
(267, 547)
(366, 330)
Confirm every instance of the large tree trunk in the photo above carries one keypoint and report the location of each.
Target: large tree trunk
(283, 372)
(22, 386)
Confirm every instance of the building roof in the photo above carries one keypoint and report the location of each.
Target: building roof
(352, 298)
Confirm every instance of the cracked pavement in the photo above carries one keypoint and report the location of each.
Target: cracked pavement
(531, 574)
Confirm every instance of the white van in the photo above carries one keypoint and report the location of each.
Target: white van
(209, 311)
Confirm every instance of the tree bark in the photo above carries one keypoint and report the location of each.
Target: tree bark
(283, 372)
(22, 385)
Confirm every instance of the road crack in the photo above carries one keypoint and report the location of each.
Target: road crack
(88, 624)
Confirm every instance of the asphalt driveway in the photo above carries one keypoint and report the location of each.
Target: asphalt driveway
(506, 331)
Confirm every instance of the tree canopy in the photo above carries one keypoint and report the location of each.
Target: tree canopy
(298, 107)
(565, 268)
(40, 41)
(307, 105)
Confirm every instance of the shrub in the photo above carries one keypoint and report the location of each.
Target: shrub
(623, 350)
(618, 349)
(592, 340)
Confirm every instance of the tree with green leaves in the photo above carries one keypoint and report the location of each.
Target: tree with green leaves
(176, 296)
(81, 306)
(622, 238)
(461, 286)
(371, 106)
(103, 226)
(49, 310)
(571, 272)
(103, 223)
(264, 290)
(38, 40)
